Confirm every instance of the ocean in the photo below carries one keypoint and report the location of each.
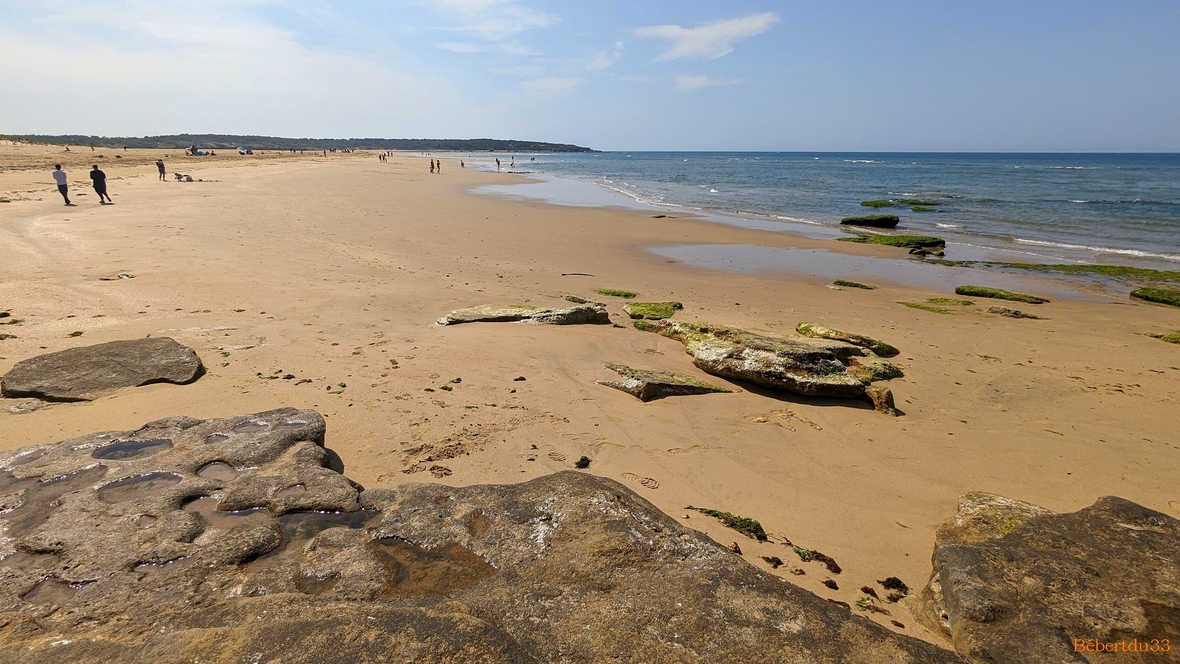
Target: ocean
(1094, 208)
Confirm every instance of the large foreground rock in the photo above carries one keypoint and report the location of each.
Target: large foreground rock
(81, 374)
(590, 313)
(1014, 582)
(129, 554)
(648, 385)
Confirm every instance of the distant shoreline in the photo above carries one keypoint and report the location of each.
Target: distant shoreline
(231, 141)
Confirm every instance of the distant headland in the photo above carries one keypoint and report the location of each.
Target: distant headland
(229, 141)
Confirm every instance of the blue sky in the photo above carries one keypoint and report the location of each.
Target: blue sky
(659, 75)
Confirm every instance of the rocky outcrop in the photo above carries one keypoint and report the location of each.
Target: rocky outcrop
(1013, 582)
(81, 374)
(230, 540)
(820, 332)
(589, 313)
(649, 385)
(802, 367)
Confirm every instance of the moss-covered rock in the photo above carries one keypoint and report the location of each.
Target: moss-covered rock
(918, 201)
(938, 305)
(794, 366)
(872, 369)
(904, 241)
(1167, 296)
(649, 385)
(873, 221)
(851, 284)
(652, 310)
(615, 292)
(877, 204)
(998, 294)
(582, 314)
(820, 332)
(1172, 337)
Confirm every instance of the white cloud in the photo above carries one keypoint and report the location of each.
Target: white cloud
(710, 41)
(462, 47)
(603, 59)
(549, 87)
(494, 19)
(696, 82)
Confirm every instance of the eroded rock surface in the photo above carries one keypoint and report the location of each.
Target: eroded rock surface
(785, 364)
(81, 374)
(648, 385)
(1009, 312)
(129, 554)
(1014, 582)
(820, 332)
(588, 313)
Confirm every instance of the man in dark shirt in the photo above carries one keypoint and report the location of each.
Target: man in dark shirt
(100, 185)
(160, 167)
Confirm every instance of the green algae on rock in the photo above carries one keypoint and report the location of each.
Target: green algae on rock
(932, 304)
(583, 314)
(649, 385)
(998, 294)
(744, 525)
(873, 221)
(1167, 296)
(1113, 271)
(1172, 338)
(652, 310)
(820, 332)
(852, 284)
(904, 241)
(615, 292)
(877, 204)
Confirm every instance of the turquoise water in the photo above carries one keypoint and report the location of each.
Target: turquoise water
(1104, 208)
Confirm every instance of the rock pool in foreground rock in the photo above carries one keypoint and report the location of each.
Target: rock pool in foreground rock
(284, 559)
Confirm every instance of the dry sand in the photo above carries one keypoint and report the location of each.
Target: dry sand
(335, 270)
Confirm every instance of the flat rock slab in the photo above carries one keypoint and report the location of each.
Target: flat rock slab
(785, 364)
(649, 385)
(81, 374)
(820, 332)
(589, 313)
(232, 540)
(1014, 582)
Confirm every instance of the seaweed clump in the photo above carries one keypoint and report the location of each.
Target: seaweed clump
(615, 292)
(774, 561)
(1158, 295)
(998, 294)
(744, 525)
(809, 555)
(582, 463)
(652, 310)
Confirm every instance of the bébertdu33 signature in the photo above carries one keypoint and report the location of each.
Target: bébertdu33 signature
(1134, 645)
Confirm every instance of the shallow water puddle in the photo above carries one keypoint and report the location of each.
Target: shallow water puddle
(217, 521)
(39, 497)
(252, 426)
(218, 470)
(137, 486)
(133, 449)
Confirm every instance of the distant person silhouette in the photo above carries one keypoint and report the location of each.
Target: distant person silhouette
(59, 176)
(438, 167)
(461, 164)
(497, 164)
(100, 185)
(432, 167)
(160, 167)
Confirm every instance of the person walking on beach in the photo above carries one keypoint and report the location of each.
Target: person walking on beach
(432, 167)
(438, 167)
(160, 167)
(497, 164)
(59, 176)
(100, 185)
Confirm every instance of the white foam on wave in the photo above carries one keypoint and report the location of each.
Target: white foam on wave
(1102, 250)
(948, 225)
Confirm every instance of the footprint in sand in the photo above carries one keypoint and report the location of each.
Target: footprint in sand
(644, 481)
(557, 456)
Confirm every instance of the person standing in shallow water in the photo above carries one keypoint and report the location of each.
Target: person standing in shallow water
(59, 176)
(160, 167)
(100, 185)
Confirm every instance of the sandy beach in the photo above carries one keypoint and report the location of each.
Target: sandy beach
(315, 282)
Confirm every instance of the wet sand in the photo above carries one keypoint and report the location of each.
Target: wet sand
(333, 271)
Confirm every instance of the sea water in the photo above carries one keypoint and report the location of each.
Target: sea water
(1101, 208)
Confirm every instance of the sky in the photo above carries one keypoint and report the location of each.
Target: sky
(832, 75)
